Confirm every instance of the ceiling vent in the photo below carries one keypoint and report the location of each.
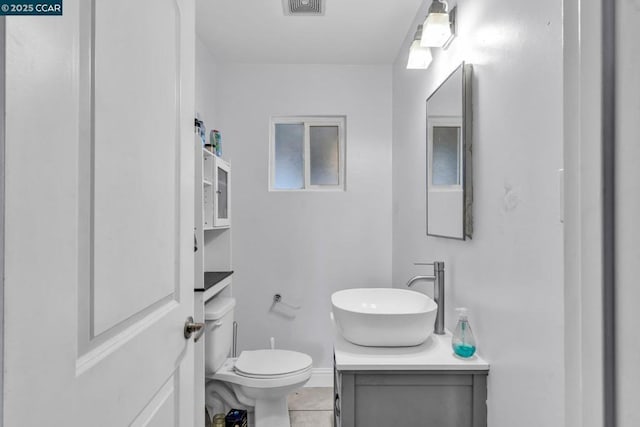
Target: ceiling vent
(303, 7)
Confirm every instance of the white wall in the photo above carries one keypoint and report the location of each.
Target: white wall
(217, 244)
(305, 245)
(511, 274)
(206, 75)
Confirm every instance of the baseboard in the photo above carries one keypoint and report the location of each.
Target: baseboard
(320, 377)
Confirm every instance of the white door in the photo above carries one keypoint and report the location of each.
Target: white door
(99, 215)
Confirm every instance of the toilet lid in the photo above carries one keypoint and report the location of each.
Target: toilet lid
(270, 363)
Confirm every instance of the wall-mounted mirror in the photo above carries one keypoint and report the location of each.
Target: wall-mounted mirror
(449, 177)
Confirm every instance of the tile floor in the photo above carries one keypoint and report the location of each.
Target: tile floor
(311, 407)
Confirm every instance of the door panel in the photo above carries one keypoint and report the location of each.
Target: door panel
(160, 412)
(99, 267)
(134, 227)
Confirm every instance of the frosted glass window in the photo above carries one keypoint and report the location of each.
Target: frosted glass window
(446, 156)
(307, 153)
(324, 155)
(289, 156)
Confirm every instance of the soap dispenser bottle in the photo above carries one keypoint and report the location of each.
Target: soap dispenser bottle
(463, 342)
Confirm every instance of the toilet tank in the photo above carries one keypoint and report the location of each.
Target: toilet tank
(218, 316)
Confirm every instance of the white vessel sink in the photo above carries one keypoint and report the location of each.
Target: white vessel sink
(383, 317)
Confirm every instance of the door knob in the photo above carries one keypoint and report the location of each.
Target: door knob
(190, 327)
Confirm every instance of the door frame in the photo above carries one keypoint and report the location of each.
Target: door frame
(583, 330)
(589, 212)
(610, 404)
(2, 169)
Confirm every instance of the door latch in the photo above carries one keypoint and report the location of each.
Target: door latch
(191, 327)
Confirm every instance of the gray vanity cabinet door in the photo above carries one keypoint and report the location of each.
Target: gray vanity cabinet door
(426, 399)
(416, 400)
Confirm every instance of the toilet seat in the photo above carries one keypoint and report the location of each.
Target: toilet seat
(271, 363)
(228, 373)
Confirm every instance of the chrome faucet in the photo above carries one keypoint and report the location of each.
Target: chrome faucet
(438, 292)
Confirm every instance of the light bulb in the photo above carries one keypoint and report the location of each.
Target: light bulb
(419, 57)
(436, 30)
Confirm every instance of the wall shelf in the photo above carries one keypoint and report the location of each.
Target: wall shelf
(212, 259)
(214, 283)
(212, 178)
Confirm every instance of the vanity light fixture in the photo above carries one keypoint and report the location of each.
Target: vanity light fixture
(439, 26)
(419, 57)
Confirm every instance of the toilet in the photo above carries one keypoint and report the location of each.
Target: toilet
(258, 380)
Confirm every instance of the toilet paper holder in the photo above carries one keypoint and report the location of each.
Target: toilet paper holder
(277, 299)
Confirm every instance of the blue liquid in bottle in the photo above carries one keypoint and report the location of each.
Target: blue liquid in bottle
(464, 350)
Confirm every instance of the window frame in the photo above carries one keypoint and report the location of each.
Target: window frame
(309, 121)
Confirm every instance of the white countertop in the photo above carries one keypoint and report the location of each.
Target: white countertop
(435, 354)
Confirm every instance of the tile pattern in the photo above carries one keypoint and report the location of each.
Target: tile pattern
(311, 407)
(311, 418)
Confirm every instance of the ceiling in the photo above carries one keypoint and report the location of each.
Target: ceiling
(350, 32)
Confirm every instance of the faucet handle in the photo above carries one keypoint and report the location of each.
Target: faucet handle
(437, 265)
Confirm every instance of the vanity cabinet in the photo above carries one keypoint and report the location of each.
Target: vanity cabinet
(412, 398)
(424, 385)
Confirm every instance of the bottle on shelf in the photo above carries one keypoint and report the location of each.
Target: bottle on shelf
(218, 142)
(200, 129)
(203, 133)
(211, 144)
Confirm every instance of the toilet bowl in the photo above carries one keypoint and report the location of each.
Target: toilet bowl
(260, 380)
(265, 393)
